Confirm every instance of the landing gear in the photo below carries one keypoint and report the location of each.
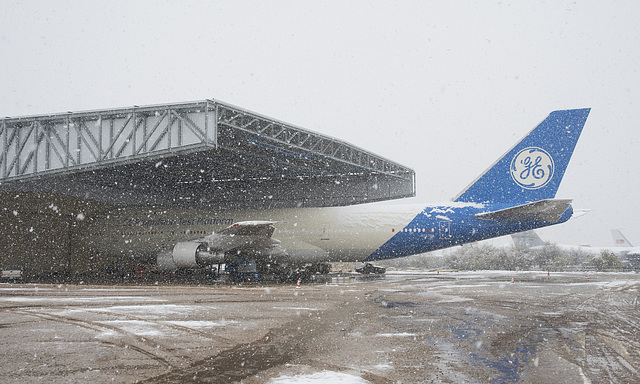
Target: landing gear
(244, 269)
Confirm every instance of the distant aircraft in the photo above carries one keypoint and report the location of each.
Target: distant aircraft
(621, 241)
(515, 194)
(629, 254)
(528, 240)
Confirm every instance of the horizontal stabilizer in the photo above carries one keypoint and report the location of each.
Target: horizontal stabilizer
(549, 210)
(579, 212)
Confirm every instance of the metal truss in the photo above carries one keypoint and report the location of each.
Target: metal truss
(63, 143)
(79, 141)
(284, 137)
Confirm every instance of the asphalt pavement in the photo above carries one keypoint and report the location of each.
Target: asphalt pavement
(421, 327)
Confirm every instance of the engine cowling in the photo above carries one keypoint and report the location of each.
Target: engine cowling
(189, 254)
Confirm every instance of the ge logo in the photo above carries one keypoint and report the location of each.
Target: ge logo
(532, 168)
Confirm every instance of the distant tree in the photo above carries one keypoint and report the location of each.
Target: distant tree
(606, 260)
(578, 256)
(525, 257)
(559, 263)
(458, 259)
(487, 257)
(611, 260)
(480, 257)
(421, 261)
(543, 257)
(549, 257)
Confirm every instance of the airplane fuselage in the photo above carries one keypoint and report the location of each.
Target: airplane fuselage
(365, 232)
(517, 193)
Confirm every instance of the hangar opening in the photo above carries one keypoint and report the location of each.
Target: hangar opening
(58, 170)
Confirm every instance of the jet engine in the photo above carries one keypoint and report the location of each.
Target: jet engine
(189, 254)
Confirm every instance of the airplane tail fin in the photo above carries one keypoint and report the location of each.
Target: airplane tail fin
(533, 168)
(527, 239)
(619, 239)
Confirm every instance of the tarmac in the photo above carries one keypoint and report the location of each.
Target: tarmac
(421, 327)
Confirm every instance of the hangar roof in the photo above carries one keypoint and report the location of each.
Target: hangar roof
(205, 153)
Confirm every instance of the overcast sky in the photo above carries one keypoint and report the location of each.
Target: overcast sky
(443, 87)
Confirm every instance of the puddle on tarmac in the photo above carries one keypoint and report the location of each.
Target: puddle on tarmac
(466, 331)
(233, 365)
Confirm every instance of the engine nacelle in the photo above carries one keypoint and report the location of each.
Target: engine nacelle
(165, 261)
(184, 254)
(189, 254)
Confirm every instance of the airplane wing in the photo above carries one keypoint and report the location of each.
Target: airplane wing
(549, 210)
(249, 236)
(250, 228)
(246, 238)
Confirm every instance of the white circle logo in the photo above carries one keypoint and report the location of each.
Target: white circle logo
(532, 168)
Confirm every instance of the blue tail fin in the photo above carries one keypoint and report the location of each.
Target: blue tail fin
(533, 168)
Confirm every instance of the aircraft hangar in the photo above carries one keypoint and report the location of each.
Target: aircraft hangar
(56, 169)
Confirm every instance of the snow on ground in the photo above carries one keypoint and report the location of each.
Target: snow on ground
(136, 327)
(202, 324)
(621, 285)
(319, 377)
(76, 300)
(148, 310)
(402, 334)
(582, 321)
